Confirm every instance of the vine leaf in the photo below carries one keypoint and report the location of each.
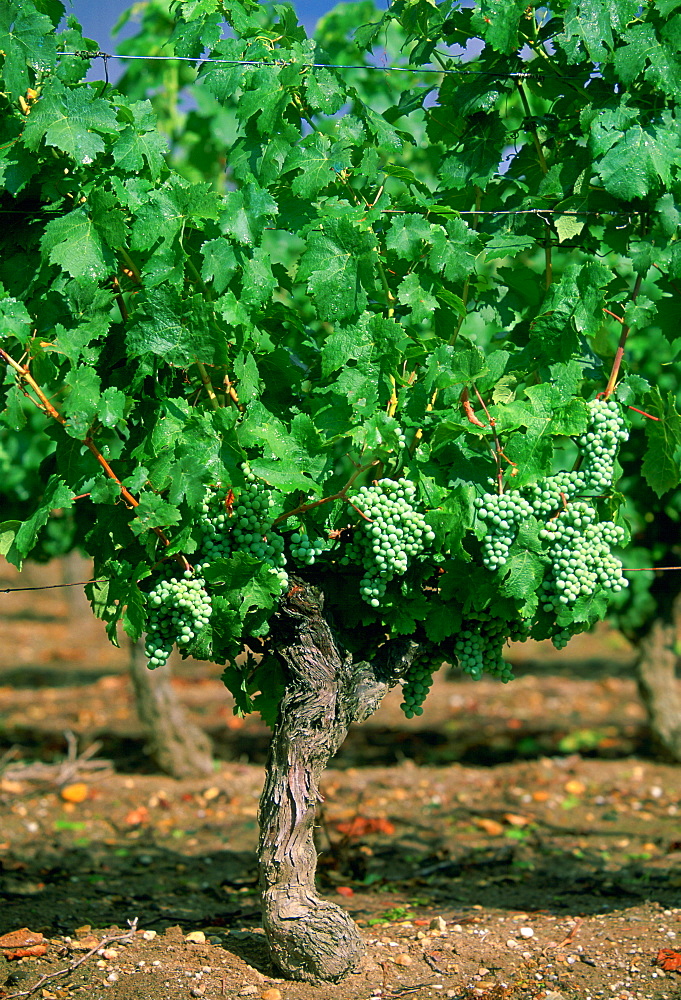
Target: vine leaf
(80, 405)
(70, 120)
(660, 466)
(74, 243)
(27, 41)
(337, 266)
(56, 494)
(8, 532)
(153, 512)
(140, 141)
(497, 22)
(641, 159)
(590, 26)
(318, 163)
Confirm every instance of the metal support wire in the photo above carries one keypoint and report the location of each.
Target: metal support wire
(520, 75)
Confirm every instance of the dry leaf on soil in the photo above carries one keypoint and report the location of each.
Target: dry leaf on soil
(137, 816)
(669, 960)
(84, 943)
(360, 826)
(23, 943)
(490, 826)
(516, 819)
(21, 938)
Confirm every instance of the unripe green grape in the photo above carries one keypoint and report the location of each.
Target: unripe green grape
(418, 680)
(175, 609)
(246, 527)
(395, 533)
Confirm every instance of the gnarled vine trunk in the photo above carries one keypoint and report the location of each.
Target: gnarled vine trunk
(658, 685)
(311, 938)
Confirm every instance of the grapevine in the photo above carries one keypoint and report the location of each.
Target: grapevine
(261, 359)
(578, 560)
(306, 550)
(503, 514)
(605, 433)
(479, 645)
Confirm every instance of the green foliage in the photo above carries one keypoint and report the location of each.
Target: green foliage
(310, 274)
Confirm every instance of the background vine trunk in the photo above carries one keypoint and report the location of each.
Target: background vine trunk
(658, 685)
(180, 748)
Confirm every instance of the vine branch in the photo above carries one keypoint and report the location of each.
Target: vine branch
(498, 450)
(341, 495)
(626, 327)
(72, 966)
(46, 406)
(208, 385)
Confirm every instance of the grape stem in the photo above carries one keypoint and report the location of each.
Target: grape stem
(643, 413)
(498, 451)
(341, 495)
(118, 295)
(623, 340)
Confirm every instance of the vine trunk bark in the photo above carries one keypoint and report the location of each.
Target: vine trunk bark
(311, 938)
(658, 685)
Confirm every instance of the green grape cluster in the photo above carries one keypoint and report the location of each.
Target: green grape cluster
(418, 680)
(551, 494)
(478, 646)
(214, 542)
(579, 554)
(252, 527)
(598, 446)
(306, 550)
(395, 532)
(561, 638)
(244, 526)
(600, 443)
(178, 610)
(503, 514)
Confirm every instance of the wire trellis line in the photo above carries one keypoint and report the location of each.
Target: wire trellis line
(50, 586)
(513, 211)
(648, 569)
(436, 71)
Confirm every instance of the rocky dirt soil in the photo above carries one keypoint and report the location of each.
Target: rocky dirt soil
(514, 842)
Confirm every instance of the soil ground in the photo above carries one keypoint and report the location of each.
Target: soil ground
(516, 841)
